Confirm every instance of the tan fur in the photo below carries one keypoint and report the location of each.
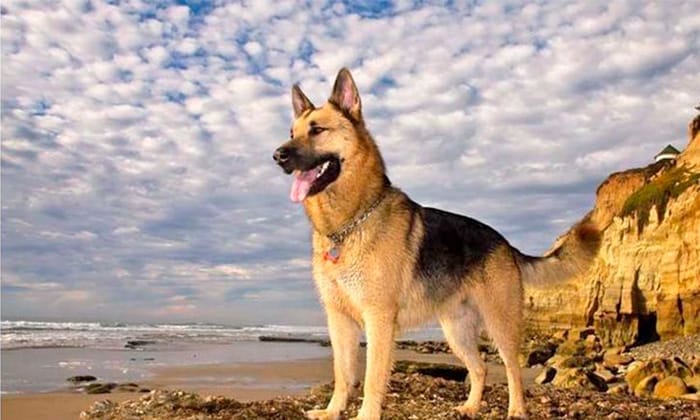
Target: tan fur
(373, 285)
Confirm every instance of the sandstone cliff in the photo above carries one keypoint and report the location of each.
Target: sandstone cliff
(645, 282)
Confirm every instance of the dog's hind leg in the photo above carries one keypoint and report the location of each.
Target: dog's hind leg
(500, 305)
(345, 340)
(461, 329)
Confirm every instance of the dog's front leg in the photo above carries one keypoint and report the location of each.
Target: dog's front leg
(345, 340)
(380, 329)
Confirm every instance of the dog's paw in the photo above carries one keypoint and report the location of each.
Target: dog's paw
(468, 410)
(517, 412)
(322, 415)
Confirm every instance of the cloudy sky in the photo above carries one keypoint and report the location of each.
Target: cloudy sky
(137, 136)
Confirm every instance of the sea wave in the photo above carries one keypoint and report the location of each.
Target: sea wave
(37, 334)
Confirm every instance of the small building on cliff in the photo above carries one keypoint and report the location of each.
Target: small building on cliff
(668, 153)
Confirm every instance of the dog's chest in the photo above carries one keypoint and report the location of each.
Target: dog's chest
(352, 281)
(347, 278)
(343, 282)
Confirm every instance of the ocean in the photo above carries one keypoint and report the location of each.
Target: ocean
(111, 335)
(39, 356)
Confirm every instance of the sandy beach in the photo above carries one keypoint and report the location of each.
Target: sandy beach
(241, 381)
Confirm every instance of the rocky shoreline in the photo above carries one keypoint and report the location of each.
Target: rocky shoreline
(410, 396)
(576, 359)
(580, 379)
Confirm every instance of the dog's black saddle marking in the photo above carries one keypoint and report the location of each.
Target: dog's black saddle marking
(452, 247)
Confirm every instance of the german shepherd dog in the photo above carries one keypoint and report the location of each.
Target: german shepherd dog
(383, 263)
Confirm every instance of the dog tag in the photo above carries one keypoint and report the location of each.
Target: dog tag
(332, 255)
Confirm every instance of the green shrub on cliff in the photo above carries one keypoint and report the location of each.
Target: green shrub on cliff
(657, 193)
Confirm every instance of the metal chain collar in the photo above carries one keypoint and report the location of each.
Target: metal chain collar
(339, 236)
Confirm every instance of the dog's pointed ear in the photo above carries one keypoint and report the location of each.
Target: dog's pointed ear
(300, 102)
(345, 95)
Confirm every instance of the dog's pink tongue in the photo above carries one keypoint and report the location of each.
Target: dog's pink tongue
(302, 185)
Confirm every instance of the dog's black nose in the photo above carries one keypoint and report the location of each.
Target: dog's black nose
(281, 155)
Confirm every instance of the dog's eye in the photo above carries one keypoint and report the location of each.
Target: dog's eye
(316, 130)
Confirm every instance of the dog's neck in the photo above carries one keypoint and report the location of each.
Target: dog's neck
(348, 198)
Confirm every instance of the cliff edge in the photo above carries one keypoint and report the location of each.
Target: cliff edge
(644, 283)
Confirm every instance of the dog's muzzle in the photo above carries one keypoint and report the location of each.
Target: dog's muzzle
(312, 173)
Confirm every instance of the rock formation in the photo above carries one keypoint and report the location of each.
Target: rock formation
(645, 282)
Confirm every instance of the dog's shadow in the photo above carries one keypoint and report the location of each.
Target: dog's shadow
(435, 370)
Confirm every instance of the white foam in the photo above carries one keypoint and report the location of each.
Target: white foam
(24, 334)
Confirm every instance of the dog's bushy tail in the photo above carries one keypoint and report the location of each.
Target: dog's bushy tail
(571, 256)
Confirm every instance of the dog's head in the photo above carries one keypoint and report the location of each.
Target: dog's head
(322, 139)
